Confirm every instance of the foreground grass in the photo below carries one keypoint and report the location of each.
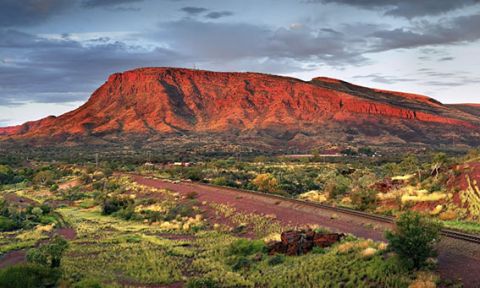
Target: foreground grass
(344, 265)
(110, 251)
(120, 253)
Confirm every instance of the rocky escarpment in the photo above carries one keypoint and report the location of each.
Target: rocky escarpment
(252, 107)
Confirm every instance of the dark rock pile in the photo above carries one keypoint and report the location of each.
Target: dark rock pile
(302, 241)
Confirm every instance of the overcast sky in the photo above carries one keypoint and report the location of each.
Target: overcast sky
(55, 53)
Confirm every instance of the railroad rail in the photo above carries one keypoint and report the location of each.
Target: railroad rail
(450, 233)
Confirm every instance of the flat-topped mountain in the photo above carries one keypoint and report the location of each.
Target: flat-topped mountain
(155, 104)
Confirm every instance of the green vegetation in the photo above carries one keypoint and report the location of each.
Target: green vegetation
(414, 239)
(17, 215)
(28, 276)
(127, 234)
(49, 254)
(343, 264)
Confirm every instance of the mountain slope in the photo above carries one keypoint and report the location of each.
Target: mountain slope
(473, 109)
(253, 108)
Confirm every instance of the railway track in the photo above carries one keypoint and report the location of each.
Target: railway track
(450, 233)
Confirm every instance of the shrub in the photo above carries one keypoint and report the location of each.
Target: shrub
(127, 213)
(365, 199)
(48, 254)
(202, 283)
(241, 262)
(194, 174)
(337, 186)
(37, 211)
(114, 204)
(7, 224)
(244, 247)
(28, 275)
(220, 181)
(88, 283)
(276, 260)
(44, 177)
(414, 239)
(181, 209)
(266, 183)
(318, 250)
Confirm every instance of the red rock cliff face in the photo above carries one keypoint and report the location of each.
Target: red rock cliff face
(162, 100)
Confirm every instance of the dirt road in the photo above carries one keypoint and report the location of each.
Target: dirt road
(457, 259)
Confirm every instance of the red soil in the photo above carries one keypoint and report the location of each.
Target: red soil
(69, 184)
(287, 214)
(471, 170)
(13, 258)
(67, 233)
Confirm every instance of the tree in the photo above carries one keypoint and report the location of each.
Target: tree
(266, 182)
(439, 159)
(367, 151)
(414, 238)
(48, 254)
(44, 177)
(336, 186)
(29, 275)
(410, 164)
(6, 174)
(364, 199)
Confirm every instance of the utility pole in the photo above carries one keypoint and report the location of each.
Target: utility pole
(96, 160)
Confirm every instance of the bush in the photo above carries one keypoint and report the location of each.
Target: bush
(28, 275)
(318, 250)
(240, 263)
(266, 183)
(194, 174)
(88, 283)
(244, 247)
(365, 199)
(202, 283)
(337, 186)
(112, 205)
(414, 239)
(7, 224)
(44, 177)
(276, 260)
(180, 209)
(48, 254)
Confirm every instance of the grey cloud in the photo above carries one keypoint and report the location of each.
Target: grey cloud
(451, 31)
(38, 69)
(424, 77)
(446, 59)
(106, 3)
(232, 41)
(405, 8)
(29, 12)
(218, 14)
(65, 70)
(193, 10)
(384, 79)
